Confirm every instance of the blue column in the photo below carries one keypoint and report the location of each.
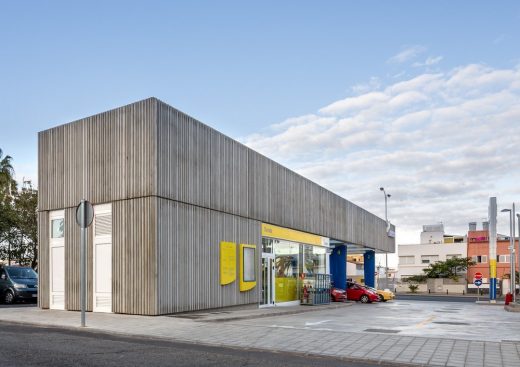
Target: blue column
(338, 266)
(370, 268)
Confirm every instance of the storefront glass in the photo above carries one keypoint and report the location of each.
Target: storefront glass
(289, 258)
(287, 266)
(314, 260)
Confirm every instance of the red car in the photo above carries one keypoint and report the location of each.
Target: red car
(338, 295)
(356, 292)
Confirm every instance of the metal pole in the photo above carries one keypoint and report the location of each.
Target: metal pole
(513, 257)
(518, 216)
(83, 265)
(492, 214)
(386, 254)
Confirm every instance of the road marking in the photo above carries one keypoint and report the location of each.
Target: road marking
(427, 321)
(316, 323)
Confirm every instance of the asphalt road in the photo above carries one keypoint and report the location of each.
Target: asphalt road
(410, 297)
(24, 345)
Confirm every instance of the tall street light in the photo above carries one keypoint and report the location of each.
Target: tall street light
(387, 196)
(518, 217)
(512, 249)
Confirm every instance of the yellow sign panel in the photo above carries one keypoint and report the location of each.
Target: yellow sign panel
(247, 267)
(228, 262)
(268, 230)
(492, 268)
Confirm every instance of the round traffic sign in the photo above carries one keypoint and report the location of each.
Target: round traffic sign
(478, 275)
(478, 282)
(84, 214)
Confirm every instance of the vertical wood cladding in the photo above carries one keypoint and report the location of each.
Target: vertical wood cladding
(200, 166)
(188, 257)
(116, 150)
(134, 256)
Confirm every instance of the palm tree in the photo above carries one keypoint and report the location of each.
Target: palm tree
(6, 171)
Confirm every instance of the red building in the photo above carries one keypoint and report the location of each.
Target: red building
(478, 250)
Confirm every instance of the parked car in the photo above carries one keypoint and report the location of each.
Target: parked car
(384, 295)
(357, 292)
(338, 295)
(18, 283)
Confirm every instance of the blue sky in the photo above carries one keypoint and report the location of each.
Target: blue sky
(251, 69)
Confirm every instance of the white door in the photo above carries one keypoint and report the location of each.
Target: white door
(102, 274)
(267, 291)
(57, 260)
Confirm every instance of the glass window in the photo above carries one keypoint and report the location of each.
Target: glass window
(286, 271)
(249, 264)
(503, 258)
(314, 260)
(456, 256)
(22, 273)
(429, 259)
(57, 229)
(406, 260)
(267, 245)
(479, 259)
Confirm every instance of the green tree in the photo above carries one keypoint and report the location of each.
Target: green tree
(449, 268)
(7, 186)
(6, 172)
(26, 248)
(18, 218)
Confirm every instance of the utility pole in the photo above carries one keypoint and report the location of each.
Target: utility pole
(387, 229)
(492, 235)
(512, 267)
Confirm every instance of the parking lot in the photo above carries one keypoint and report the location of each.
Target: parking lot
(455, 320)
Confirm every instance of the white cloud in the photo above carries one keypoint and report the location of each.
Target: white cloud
(440, 143)
(407, 54)
(430, 61)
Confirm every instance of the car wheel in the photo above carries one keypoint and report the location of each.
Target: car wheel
(364, 299)
(381, 298)
(9, 297)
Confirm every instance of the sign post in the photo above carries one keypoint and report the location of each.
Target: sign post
(84, 216)
(478, 282)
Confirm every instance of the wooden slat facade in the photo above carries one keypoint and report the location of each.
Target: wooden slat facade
(177, 188)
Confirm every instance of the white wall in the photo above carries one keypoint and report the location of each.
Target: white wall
(432, 237)
(419, 250)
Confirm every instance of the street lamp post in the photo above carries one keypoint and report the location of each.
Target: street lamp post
(518, 217)
(387, 196)
(512, 249)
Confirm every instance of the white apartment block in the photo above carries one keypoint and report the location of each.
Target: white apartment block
(435, 246)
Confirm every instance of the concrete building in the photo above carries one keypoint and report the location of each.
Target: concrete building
(478, 250)
(435, 246)
(186, 218)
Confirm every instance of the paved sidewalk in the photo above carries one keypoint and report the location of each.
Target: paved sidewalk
(255, 313)
(379, 347)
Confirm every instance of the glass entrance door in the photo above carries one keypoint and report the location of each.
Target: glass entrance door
(267, 297)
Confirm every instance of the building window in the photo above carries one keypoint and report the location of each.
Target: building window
(406, 260)
(479, 259)
(359, 266)
(57, 229)
(429, 259)
(456, 256)
(503, 258)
